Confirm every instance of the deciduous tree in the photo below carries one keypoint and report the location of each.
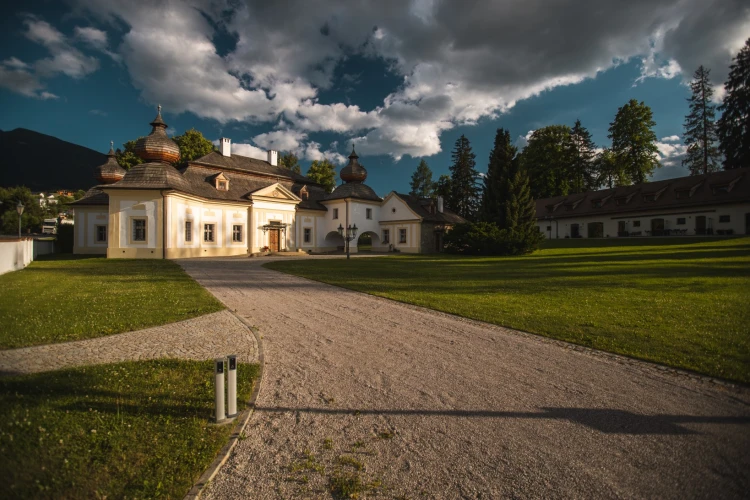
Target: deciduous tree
(546, 160)
(126, 156)
(634, 141)
(192, 145)
(290, 161)
(324, 173)
(608, 170)
(734, 124)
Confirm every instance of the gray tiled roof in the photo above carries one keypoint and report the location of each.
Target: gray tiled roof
(93, 196)
(152, 175)
(251, 165)
(421, 207)
(353, 190)
(679, 193)
(315, 195)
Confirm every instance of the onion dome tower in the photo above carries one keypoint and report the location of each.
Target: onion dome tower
(353, 172)
(157, 146)
(110, 172)
(354, 187)
(158, 152)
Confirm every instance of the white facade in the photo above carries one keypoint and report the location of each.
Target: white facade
(717, 220)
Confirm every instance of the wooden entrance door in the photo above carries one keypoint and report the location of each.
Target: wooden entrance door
(700, 224)
(273, 240)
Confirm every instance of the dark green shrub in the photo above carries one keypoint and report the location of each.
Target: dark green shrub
(485, 238)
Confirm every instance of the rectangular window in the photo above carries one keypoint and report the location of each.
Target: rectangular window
(101, 234)
(139, 229)
(386, 236)
(335, 213)
(680, 221)
(681, 195)
(223, 185)
(549, 228)
(208, 233)
(636, 223)
(368, 213)
(649, 197)
(402, 235)
(188, 231)
(308, 235)
(237, 233)
(723, 218)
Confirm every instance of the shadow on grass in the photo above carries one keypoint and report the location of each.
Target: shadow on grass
(607, 421)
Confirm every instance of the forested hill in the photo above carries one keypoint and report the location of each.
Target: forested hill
(45, 163)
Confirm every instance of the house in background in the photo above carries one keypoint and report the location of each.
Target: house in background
(701, 205)
(224, 204)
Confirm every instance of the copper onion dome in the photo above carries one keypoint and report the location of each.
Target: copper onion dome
(111, 171)
(156, 146)
(353, 172)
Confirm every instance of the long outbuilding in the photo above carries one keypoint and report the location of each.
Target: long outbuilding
(717, 203)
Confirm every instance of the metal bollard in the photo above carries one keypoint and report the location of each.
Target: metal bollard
(219, 388)
(232, 387)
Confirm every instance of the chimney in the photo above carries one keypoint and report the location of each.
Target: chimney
(273, 157)
(440, 204)
(226, 147)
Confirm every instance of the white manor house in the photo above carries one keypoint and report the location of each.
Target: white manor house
(224, 204)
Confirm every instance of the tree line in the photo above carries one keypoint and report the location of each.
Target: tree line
(562, 160)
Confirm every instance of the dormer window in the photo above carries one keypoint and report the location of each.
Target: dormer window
(649, 197)
(721, 189)
(596, 203)
(683, 195)
(304, 193)
(221, 182)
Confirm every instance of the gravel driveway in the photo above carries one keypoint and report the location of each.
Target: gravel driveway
(418, 404)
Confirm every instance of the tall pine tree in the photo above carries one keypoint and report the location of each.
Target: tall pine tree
(581, 155)
(634, 141)
(734, 124)
(464, 191)
(502, 165)
(700, 126)
(421, 181)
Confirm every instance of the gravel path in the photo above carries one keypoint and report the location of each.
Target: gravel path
(204, 337)
(434, 406)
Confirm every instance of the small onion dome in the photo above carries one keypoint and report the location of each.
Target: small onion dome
(353, 172)
(156, 146)
(110, 172)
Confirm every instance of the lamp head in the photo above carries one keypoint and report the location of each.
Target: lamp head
(19, 208)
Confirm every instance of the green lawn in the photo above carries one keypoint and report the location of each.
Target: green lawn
(683, 303)
(127, 430)
(63, 299)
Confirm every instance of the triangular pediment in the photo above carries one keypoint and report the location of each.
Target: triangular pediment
(274, 192)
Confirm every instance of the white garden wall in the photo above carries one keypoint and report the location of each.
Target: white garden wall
(15, 254)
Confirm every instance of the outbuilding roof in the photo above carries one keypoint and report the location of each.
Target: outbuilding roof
(726, 186)
(427, 210)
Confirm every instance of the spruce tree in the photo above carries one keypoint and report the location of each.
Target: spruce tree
(523, 235)
(581, 155)
(502, 165)
(464, 191)
(734, 124)
(634, 141)
(443, 188)
(700, 126)
(421, 181)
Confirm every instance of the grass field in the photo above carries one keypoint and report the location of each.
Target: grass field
(127, 430)
(683, 303)
(57, 300)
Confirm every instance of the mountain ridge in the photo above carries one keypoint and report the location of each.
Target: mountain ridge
(44, 162)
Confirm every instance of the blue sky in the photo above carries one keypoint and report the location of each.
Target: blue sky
(400, 79)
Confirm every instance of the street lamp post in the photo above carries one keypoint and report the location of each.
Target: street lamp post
(351, 233)
(19, 209)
